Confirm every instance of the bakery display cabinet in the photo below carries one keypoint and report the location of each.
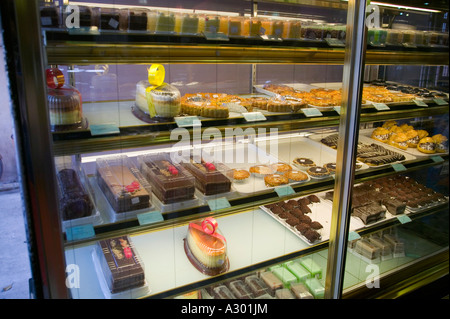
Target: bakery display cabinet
(232, 150)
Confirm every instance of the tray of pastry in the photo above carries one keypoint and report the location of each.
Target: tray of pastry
(307, 217)
(306, 154)
(408, 139)
(253, 170)
(369, 152)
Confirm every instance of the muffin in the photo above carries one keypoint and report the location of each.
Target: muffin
(427, 145)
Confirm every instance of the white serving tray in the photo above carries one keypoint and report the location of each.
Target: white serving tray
(410, 150)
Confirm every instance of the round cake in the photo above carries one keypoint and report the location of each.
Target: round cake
(64, 106)
(162, 101)
(206, 248)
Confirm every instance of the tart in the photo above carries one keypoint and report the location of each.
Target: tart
(304, 162)
(318, 171)
(261, 170)
(275, 180)
(239, 175)
(296, 176)
(281, 167)
(331, 167)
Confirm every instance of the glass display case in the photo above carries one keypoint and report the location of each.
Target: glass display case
(232, 149)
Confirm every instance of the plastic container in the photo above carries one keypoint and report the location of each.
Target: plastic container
(163, 101)
(170, 182)
(409, 37)
(300, 291)
(256, 285)
(315, 287)
(165, 22)
(49, 15)
(272, 281)
(240, 290)
(285, 276)
(284, 294)
(222, 292)
(134, 19)
(210, 176)
(367, 249)
(394, 37)
(186, 23)
(122, 184)
(206, 247)
(300, 272)
(235, 26)
(121, 266)
(292, 29)
(65, 108)
(376, 36)
(109, 19)
(312, 267)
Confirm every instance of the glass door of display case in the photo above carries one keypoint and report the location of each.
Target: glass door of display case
(222, 150)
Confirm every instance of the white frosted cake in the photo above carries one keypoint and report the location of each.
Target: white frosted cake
(162, 101)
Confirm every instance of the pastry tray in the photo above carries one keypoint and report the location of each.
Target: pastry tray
(367, 140)
(245, 155)
(410, 150)
(289, 146)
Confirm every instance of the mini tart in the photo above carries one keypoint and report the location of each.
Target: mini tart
(318, 171)
(331, 167)
(399, 140)
(215, 111)
(296, 176)
(261, 170)
(240, 174)
(427, 145)
(380, 134)
(259, 102)
(275, 180)
(281, 167)
(304, 162)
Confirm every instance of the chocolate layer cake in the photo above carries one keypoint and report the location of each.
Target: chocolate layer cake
(137, 20)
(369, 213)
(74, 202)
(120, 265)
(170, 183)
(122, 189)
(207, 178)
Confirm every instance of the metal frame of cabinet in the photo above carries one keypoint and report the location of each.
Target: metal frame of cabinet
(31, 51)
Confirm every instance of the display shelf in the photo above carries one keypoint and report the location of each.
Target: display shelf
(136, 133)
(62, 47)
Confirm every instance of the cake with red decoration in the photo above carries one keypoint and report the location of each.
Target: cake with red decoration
(170, 182)
(206, 247)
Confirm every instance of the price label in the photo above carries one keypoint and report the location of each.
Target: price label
(187, 121)
(220, 36)
(149, 218)
(403, 219)
(353, 236)
(337, 109)
(311, 112)
(80, 232)
(381, 106)
(437, 159)
(420, 103)
(104, 129)
(439, 101)
(254, 116)
(398, 167)
(284, 190)
(333, 42)
(218, 203)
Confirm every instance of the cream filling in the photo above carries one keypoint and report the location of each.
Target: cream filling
(205, 259)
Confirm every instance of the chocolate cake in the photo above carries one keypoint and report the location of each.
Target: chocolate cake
(208, 179)
(74, 201)
(120, 265)
(394, 206)
(369, 213)
(122, 189)
(137, 20)
(170, 183)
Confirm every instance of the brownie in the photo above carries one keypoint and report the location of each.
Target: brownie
(305, 219)
(369, 213)
(311, 235)
(74, 202)
(120, 265)
(302, 227)
(313, 199)
(394, 206)
(292, 221)
(316, 225)
(297, 212)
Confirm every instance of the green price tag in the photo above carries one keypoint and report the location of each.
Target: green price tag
(437, 159)
(337, 109)
(420, 103)
(333, 42)
(104, 129)
(398, 167)
(403, 219)
(353, 236)
(149, 218)
(216, 36)
(254, 116)
(284, 190)
(439, 101)
(187, 121)
(80, 232)
(311, 112)
(381, 106)
(218, 203)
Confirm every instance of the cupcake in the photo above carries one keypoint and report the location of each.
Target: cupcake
(380, 134)
(441, 142)
(398, 140)
(427, 145)
(413, 138)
